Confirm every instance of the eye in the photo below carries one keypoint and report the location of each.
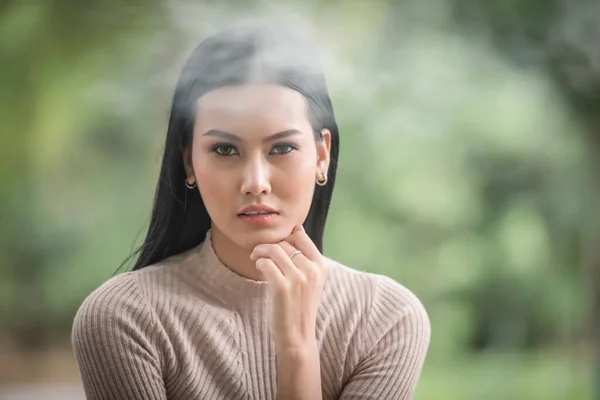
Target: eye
(283, 148)
(225, 150)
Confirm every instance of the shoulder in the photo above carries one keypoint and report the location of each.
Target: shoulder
(134, 296)
(383, 333)
(384, 301)
(116, 338)
(130, 292)
(393, 297)
(118, 290)
(116, 302)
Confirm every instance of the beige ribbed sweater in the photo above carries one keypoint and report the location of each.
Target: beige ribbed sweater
(190, 328)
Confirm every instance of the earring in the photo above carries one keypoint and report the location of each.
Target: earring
(322, 182)
(187, 185)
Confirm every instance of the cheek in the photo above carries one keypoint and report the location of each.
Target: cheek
(212, 184)
(296, 182)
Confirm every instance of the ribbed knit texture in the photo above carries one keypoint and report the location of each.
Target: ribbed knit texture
(190, 328)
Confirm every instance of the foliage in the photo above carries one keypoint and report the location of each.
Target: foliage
(465, 172)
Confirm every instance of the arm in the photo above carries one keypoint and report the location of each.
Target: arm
(114, 343)
(391, 369)
(299, 373)
(296, 272)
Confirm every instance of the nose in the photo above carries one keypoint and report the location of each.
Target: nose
(256, 179)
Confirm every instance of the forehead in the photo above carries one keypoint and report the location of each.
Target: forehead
(239, 109)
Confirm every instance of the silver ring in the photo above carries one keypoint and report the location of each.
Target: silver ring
(293, 253)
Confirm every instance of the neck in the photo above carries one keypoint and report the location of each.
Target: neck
(234, 256)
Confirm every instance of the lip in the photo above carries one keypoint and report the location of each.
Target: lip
(255, 208)
(259, 220)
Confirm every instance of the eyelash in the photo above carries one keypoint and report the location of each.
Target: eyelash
(218, 149)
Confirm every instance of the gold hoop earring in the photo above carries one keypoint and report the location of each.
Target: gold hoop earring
(322, 182)
(187, 185)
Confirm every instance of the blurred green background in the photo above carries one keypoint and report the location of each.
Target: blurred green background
(469, 172)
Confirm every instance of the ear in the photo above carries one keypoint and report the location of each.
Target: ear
(187, 163)
(323, 152)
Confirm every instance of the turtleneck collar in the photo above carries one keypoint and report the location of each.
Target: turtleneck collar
(221, 281)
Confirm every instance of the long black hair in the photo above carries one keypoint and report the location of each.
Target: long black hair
(244, 54)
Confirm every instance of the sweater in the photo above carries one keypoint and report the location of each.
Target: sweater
(189, 327)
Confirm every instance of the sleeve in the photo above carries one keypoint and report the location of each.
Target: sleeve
(114, 340)
(391, 368)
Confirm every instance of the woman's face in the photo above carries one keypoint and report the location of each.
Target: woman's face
(253, 146)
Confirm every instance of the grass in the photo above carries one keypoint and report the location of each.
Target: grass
(501, 376)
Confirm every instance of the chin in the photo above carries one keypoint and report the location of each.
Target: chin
(252, 239)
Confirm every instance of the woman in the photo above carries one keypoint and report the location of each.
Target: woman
(231, 297)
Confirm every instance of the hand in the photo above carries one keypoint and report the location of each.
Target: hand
(295, 287)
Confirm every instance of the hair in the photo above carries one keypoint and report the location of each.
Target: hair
(237, 56)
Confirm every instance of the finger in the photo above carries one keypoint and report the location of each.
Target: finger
(270, 271)
(276, 253)
(307, 267)
(301, 241)
(289, 250)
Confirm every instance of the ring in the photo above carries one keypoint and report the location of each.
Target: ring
(293, 253)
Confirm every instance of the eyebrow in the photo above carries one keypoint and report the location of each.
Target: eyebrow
(235, 138)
